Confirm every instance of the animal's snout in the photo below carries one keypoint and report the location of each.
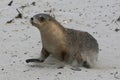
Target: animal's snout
(31, 19)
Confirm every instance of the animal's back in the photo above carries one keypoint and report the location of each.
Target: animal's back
(82, 44)
(81, 39)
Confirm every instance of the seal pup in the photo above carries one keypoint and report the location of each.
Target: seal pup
(74, 47)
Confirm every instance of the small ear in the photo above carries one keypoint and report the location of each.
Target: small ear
(53, 15)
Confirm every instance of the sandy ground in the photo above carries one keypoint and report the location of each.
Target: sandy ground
(19, 40)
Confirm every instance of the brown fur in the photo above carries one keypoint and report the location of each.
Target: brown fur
(65, 44)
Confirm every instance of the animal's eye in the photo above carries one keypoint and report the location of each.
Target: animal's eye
(41, 19)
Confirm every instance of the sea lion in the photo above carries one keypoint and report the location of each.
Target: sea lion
(75, 47)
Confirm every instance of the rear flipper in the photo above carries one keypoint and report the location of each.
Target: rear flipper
(86, 64)
(75, 65)
(89, 60)
(76, 68)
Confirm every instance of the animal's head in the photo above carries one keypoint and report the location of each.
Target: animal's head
(41, 20)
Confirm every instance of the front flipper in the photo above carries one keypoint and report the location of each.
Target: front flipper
(44, 55)
(34, 60)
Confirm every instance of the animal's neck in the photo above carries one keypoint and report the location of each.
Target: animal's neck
(53, 36)
(52, 29)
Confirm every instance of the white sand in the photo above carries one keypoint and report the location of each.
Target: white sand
(19, 40)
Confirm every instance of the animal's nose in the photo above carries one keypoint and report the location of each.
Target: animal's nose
(32, 19)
